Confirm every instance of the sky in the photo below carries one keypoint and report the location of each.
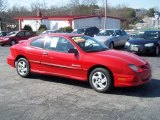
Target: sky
(129, 3)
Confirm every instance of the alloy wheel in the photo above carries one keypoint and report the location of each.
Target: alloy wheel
(22, 68)
(99, 80)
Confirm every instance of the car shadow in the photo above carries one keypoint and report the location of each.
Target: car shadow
(67, 81)
(148, 90)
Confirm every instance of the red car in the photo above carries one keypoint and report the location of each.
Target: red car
(15, 36)
(79, 57)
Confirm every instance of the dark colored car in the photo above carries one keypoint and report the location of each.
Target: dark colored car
(79, 57)
(15, 36)
(147, 42)
(91, 31)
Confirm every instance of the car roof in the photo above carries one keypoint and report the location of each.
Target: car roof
(63, 34)
(87, 27)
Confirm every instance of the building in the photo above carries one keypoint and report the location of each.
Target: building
(56, 22)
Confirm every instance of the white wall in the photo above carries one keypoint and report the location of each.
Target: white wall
(86, 22)
(35, 24)
(56, 24)
(77, 23)
(111, 23)
(98, 22)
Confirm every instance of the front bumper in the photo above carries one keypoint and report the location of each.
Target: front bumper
(141, 49)
(10, 61)
(4, 42)
(138, 78)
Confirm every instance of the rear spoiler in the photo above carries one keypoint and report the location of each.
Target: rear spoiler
(21, 41)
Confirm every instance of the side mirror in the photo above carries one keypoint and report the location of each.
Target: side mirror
(73, 50)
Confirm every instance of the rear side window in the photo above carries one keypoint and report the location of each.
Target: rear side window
(38, 43)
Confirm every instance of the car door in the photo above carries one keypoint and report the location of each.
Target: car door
(125, 37)
(117, 38)
(57, 59)
(35, 53)
(28, 34)
(21, 36)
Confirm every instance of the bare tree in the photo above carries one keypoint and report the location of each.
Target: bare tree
(3, 5)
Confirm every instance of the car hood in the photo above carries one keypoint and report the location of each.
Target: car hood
(103, 38)
(125, 57)
(141, 41)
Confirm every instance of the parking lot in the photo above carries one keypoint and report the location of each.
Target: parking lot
(52, 98)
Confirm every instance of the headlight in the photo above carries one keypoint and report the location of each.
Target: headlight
(133, 67)
(149, 45)
(127, 44)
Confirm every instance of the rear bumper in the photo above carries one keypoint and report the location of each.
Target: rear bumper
(10, 61)
(132, 80)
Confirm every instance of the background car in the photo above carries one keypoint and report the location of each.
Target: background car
(48, 32)
(79, 57)
(15, 36)
(3, 33)
(147, 42)
(91, 31)
(112, 37)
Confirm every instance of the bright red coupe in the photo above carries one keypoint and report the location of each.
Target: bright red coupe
(79, 57)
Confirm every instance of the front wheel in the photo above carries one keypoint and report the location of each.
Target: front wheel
(13, 42)
(23, 68)
(100, 80)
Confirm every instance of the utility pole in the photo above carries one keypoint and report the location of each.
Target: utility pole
(105, 17)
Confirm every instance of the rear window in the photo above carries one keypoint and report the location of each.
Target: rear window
(38, 43)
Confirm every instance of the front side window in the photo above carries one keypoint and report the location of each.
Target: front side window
(106, 33)
(88, 44)
(39, 42)
(21, 34)
(58, 44)
(27, 33)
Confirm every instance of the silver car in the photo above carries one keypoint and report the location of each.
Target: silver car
(112, 37)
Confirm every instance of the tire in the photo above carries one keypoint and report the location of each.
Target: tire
(13, 42)
(111, 46)
(157, 51)
(101, 80)
(23, 67)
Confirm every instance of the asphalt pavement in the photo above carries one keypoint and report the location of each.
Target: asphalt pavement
(52, 98)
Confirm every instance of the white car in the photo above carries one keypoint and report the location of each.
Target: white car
(112, 37)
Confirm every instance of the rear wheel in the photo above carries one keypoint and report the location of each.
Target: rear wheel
(23, 68)
(100, 80)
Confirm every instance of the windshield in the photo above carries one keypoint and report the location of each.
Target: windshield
(79, 31)
(106, 33)
(88, 44)
(149, 35)
(12, 33)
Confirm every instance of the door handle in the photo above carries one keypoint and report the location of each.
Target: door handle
(45, 53)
